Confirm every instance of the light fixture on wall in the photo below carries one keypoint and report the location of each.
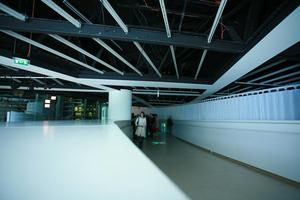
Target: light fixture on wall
(47, 105)
(47, 101)
(53, 98)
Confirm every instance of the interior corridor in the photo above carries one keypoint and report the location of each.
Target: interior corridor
(202, 175)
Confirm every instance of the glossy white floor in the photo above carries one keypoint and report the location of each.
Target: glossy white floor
(202, 175)
(76, 160)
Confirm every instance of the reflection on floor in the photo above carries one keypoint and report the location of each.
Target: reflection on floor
(202, 175)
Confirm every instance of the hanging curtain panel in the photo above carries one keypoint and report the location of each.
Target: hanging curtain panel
(273, 104)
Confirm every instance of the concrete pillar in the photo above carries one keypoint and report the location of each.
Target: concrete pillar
(119, 105)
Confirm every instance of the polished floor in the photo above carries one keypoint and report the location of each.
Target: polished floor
(202, 175)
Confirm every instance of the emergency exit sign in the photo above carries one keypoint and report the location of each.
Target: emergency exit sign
(21, 61)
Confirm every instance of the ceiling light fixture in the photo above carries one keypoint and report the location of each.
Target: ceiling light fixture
(71, 7)
(174, 60)
(73, 46)
(164, 13)
(211, 34)
(39, 45)
(140, 48)
(12, 12)
(165, 17)
(101, 42)
(63, 13)
(113, 13)
(216, 21)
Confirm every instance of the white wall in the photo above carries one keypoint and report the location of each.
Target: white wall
(273, 146)
(245, 128)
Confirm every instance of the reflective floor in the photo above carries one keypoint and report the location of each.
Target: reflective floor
(202, 175)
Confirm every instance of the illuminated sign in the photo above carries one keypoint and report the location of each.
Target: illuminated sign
(21, 61)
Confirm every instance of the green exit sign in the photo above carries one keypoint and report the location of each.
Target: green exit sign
(21, 61)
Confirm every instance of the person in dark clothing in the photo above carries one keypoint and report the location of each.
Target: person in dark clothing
(151, 125)
(148, 125)
(133, 118)
(170, 124)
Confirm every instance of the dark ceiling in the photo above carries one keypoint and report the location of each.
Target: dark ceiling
(243, 23)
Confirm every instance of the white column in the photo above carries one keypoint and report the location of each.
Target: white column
(119, 105)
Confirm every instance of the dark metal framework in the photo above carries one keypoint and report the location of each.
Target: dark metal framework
(157, 37)
(241, 25)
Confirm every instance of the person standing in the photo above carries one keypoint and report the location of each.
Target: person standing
(170, 124)
(140, 132)
(133, 118)
(150, 125)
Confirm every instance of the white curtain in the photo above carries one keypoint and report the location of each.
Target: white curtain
(278, 105)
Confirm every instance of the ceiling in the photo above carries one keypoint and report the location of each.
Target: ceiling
(170, 77)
